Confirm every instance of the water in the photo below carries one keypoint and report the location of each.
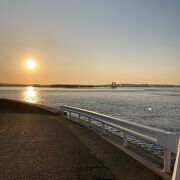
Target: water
(155, 107)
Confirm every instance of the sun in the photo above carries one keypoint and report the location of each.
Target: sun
(30, 64)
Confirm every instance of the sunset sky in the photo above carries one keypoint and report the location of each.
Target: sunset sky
(90, 41)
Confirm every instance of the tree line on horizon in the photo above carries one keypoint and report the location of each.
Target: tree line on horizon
(85, 86)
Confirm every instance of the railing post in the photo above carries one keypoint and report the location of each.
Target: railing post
(62, 112)
(88, 120)
(70, 114)
(176, 172)
(125, 139)
(103, 128)
(167, 160)
(78, 117)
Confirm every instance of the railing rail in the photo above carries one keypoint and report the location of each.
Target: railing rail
(166, 140)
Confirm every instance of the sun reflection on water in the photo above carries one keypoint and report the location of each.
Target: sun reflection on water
(31, 95)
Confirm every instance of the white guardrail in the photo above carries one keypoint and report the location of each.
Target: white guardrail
(166, 140)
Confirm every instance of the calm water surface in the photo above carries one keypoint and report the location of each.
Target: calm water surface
(156, 107)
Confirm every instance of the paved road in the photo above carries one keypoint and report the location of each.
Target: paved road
(40, 147)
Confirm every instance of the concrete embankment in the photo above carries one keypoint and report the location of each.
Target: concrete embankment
(10, 106)
(36, 144)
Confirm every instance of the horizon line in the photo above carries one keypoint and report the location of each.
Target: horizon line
(92, 85)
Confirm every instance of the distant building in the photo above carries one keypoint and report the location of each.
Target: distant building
(113, 85)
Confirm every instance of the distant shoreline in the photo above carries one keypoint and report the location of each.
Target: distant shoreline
(85, 86)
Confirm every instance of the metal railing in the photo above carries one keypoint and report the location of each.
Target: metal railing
(176, 173)
(166, 140)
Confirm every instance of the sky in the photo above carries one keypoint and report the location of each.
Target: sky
(90, 41)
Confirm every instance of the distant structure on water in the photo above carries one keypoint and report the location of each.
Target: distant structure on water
(113, 85)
